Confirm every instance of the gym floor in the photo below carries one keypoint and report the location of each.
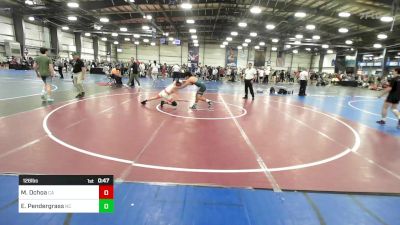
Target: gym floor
(319, 159)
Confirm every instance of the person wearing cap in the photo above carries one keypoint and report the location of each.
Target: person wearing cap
(44, 69)
(79, 71)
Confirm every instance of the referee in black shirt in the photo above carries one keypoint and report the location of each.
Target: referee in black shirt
(78, 72)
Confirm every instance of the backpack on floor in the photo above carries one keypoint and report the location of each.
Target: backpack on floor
(282, 91)
(272, 91)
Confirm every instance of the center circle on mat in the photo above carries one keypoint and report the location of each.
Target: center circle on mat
(243, 112)
(354, 148)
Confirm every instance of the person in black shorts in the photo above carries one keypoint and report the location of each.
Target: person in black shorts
(392, 99)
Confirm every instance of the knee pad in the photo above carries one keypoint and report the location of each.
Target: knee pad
(174, 103)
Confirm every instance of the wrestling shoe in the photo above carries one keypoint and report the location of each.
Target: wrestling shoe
(381, 122)
(50, 99)
(143, 102)
(210, 104)
(162, 104)
(193, 106)
(398, 125)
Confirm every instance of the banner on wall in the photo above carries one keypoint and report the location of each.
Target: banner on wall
(193, 56)
(280, 59)
(259, 58)
(231, 57)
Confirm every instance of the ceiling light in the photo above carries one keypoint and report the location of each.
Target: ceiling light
(253, 34)
(308, 49)
(116, 42)
(196, 45)
(274, 48)
(349, 42)
(145, 27)
(73, 4)
(288, 46)
(104, 20)
(382, 36)
(186, 5)
(316, 37)
(87, 34)
(119, 50)
(325, 46)
(31, 18)
(114, 34)
(299, 36)
(344, 14)
(192, 30)
(255, 10)
(239, 47)
(343, 30)
(295, 51)
(245, 44)
(104, 39)
(377, 45)
(297, 42)
(97, 27)
(149, 17)
(225, 43)
(29, 2)
(300, 14)
(222, 46)
(275, 40)
(329, 51)
(310, 27)
(72, 18)
(190, 21)
(123, 29)
(262, 43)
(351, 49)
(234, 33)
(247, 40)
(127, 39)
(229, 39)
(65, 28)
(242, 24)
(195, 41)
(136, 42)
(270, 26)
(152, 43)
(146, 40)
(166, 34)
(257, 47)
(386, 19)
(194, 36)
(136, 35)
(171, 39)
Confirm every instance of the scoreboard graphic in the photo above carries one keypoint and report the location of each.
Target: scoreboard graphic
(66, 194)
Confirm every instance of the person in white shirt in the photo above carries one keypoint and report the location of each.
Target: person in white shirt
(303, 77)
(267, 73)
(260, 75)
(214, 74)
(176, 72)
(249, 76)
(142, 69)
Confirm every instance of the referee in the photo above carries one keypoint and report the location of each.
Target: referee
(249, 76)
(303, 77)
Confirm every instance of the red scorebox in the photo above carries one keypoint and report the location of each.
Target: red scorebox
(106, 192)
